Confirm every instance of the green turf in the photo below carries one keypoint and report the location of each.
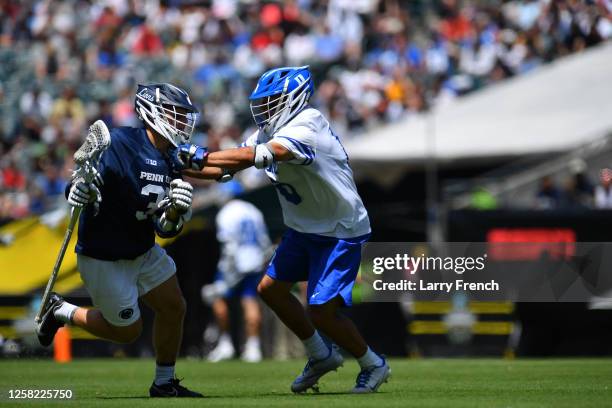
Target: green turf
(418, 383)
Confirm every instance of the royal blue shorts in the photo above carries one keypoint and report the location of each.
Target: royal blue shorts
(246, 287)
(330, 265)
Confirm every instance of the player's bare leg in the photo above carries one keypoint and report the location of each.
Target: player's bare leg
(225, 348)
(321, 358)
(168, 303)
(277, 295)
(60, 312)
(374, 368)
(252, 322)
(92, 321)
(220, 310)
(252, 316)
(337, 327)
(169, 306)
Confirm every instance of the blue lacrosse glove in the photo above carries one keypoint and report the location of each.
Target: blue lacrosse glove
(191, 156)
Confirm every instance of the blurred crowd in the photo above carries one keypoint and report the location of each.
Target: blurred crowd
(64, 64)
(576, 192)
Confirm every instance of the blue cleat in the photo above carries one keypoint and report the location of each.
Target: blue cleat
(316, 369)
(371, 378)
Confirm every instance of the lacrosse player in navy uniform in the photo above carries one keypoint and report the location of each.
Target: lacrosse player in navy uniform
(138, 193)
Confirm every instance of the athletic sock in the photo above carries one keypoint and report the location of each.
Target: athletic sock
(369, 359)
(164, 373)
(252, 341)
(225, 339)
(316, 347)
(65, 312)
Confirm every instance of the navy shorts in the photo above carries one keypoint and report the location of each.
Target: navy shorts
(330, 265)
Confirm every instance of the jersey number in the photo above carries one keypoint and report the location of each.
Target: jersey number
(289, 192)
(158, 192)
(248, 232)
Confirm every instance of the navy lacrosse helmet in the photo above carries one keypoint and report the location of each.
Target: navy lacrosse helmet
(168, 110)
(280, 94)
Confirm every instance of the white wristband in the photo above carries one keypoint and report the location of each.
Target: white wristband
(264, 156)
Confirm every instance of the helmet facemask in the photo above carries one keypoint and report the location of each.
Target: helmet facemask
(178, 122)
(272, 112)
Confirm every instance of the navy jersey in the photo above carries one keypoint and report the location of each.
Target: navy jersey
(136, 177)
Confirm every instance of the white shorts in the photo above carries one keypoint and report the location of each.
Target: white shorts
(115, 286)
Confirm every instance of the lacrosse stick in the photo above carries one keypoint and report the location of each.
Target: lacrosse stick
(86, 160)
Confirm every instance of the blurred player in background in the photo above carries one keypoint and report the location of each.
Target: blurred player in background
(245, 246)
(327, 222)
(143, 194)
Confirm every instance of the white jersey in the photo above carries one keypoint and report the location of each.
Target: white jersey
(244, 240)
(316, 189)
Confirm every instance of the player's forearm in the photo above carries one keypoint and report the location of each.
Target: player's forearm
(194, 157)
(233, 159)
(207, 173)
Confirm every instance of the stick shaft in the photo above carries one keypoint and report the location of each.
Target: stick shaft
(75, 212)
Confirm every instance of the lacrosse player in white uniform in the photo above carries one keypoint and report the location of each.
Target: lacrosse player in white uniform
(245, 245)
(326, 219)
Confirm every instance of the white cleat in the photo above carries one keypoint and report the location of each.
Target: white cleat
(251, 354)
(371, 378)
(223, 351)
(315, 369)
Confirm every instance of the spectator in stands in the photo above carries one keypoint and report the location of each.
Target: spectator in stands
(68, 113)
(548, 195)
(603, 192)
(377, 60)
(578, 188)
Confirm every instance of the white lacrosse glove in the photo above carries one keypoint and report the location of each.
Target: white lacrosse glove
(178, 202)
(83, 193)
(181, 196)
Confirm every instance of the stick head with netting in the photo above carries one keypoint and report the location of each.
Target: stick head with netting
(98, 139)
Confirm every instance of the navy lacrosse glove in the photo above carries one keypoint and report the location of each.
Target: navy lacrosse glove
(191, 156)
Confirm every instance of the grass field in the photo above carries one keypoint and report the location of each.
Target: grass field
(418, 383)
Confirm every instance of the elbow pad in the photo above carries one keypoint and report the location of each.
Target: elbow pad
(264, 156)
